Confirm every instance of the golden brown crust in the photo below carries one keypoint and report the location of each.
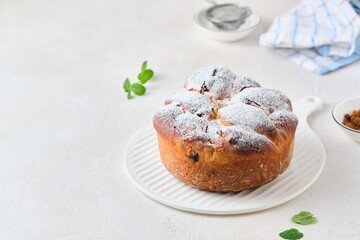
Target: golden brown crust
(223, 171)
(226, 140)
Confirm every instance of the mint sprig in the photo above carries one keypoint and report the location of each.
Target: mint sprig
(304, 218)
(127, 88)
(143, 66)
(145, 75)
(291, 234)
(138, 88)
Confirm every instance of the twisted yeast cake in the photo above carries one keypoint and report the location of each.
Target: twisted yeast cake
(225, 133)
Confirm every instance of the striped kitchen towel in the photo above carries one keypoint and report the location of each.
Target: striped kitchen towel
(356, 5)
(319, 35)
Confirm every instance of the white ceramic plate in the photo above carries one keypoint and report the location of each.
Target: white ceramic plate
(147, 172)
(211, 31)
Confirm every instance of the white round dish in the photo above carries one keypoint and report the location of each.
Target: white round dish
(342, 108)
(146, 171)
(210, 30)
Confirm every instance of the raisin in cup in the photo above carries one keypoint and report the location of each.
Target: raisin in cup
(343, 114)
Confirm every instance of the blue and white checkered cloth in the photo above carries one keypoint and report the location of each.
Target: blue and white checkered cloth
(319, 35)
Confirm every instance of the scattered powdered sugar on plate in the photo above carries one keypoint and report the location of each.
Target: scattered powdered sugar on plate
(219, 108)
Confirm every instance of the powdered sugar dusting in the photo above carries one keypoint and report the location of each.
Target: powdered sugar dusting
(215, 131)
(283, 119)
(219, 108)
(248, 116)
(191, 127)
(191, 101)
(269, 100)
(218, 81)
(245, 139)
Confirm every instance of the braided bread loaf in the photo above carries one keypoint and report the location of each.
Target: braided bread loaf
(225, 133)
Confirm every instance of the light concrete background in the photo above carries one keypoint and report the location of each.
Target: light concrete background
(65, 121)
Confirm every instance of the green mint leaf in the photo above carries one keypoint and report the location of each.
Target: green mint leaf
(127, 85)
(304, 218)
(138, 89)
(145, 76)
(143, 66)
(129, 96)
(291, 234)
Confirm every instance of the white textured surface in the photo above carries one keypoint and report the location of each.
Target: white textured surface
(65, 122)
(143, 164)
